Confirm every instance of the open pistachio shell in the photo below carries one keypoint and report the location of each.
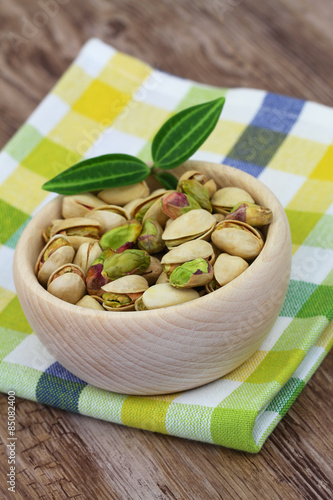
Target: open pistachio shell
(89, 302)
(252, 214)
(190, 250)
(155, 212)
(67, 283)
(86, 255)
(127, 284)
(192, 225)
(123, 292)
(78, 230)
(125, 194)
(137, 208)
(193, 174)
(164, 295)
(226, 198)
(57, 251)
(238, 238)
(228, 267)
(79, 205)
(109, 216)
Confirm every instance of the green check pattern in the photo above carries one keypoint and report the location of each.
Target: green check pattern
(109, 102)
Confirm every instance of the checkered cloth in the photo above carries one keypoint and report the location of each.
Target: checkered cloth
(108, 102)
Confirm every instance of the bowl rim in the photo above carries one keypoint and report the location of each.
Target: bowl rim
(30, 279)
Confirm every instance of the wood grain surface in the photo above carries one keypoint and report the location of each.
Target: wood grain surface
(281, 46)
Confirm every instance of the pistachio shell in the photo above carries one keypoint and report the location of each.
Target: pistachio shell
(109, 216)
(63, 254)
(219, 217)
(163, 278)
(191, 225)
(127, 284)
(67, 283)
(86, 255)
(228, 267)
(238, 238)
(138, 205)
(123, 195)
(153, 270)
(211, 187)
(252, 214)
(155, 212)
(189, 251)
(165, 295)
(226, 198)
(88, 302)
(79, 205)
(193, 174)
(120, 295)
(66, 226)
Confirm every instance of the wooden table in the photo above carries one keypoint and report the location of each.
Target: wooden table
(280, 46)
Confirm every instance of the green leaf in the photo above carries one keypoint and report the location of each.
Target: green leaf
(167, 180)
(184, 133)
(101, 172)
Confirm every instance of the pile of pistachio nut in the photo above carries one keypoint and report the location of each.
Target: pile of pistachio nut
(128, 249)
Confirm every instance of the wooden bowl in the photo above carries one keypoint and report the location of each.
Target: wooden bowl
(163, 350)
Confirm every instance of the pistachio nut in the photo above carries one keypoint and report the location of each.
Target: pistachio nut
(94, 278)
(57, 251)
(79, 205)
(150, 238)
(228, 267)
(122, 237)
(164, 295)
(176, 204)
(109, 216)
(190, 250)
(86, 255)
(153, 271)
(219, 217)
(197, 191)
(197, 272)
(127, 262)
(238, 238)
(125, 194)
(120, 295)
(252, 214)
(192, 225)
(67, 283)
(78, 230)
(89, 302)
(226, 198)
